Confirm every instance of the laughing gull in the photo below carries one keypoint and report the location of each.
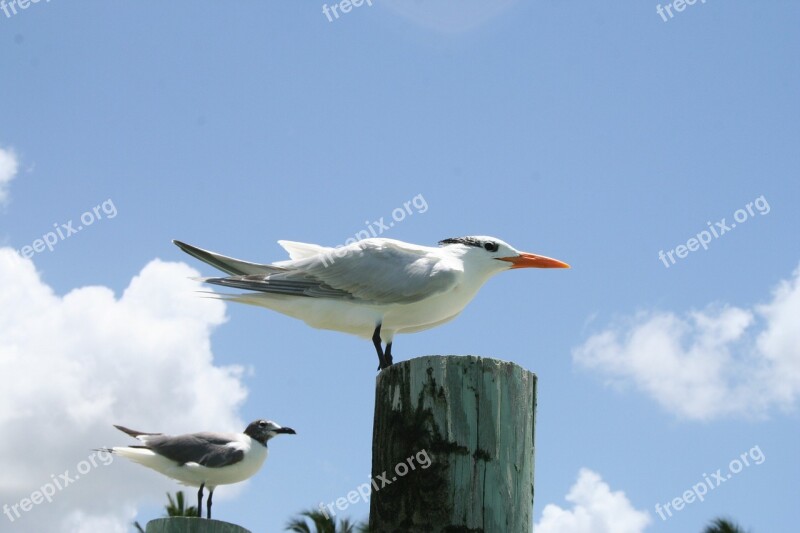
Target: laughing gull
(203, 459)
(373, 288)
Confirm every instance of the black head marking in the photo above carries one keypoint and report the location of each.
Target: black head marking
(488, 245)
(258, 431)
(468, 241)
(263, 430)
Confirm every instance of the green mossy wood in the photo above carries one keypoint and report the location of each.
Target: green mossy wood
(475, 418)
(184, 524)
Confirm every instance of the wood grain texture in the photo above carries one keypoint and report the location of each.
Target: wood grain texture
(475, 419)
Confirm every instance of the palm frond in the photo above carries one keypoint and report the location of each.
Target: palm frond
(322, 524)
(723, 525)
(177, 506)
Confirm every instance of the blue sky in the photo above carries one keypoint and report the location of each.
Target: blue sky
(596, 133)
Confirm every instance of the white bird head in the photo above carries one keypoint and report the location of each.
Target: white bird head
(496, 255)
(263, 430)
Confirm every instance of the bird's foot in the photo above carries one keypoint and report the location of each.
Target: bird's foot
(387, 355)
(376, 340)
(200, 501)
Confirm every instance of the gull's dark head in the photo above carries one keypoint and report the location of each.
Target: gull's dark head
(483, 250)
(263, 430)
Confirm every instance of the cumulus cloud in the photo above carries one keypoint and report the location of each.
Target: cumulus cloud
(721, 361)
(8, 170)
(595, 509)
(72, 365)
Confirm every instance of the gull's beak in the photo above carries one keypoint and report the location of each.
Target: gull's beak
(289, 431)
(526, 260)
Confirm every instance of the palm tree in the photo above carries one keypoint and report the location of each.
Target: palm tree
(723, 525)
(323, 524)
(174, 507)
(177, 507)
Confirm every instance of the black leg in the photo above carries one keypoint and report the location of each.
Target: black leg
(387, 355)
(200, 501)
(208, 503)
(376, 340)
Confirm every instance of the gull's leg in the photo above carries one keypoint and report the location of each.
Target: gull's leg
(387, 355)
(200, 501)
(376, 340)
(208, 503)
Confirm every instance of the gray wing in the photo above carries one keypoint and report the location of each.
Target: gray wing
(207, 449)
(133, 433)
(369, 271)
(236, 267)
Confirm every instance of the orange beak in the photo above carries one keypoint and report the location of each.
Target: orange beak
(525, 260)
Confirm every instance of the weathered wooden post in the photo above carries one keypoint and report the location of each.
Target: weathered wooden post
(452, 446)
(186, 524)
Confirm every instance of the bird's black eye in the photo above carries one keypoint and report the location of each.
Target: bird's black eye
(262, 424)
(490, 246)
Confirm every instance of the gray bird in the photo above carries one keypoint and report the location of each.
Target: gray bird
(205, 459)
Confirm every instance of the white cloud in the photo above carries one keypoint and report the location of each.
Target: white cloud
(8, 170)
(73, 365)
(722, 361)
(595, 509)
